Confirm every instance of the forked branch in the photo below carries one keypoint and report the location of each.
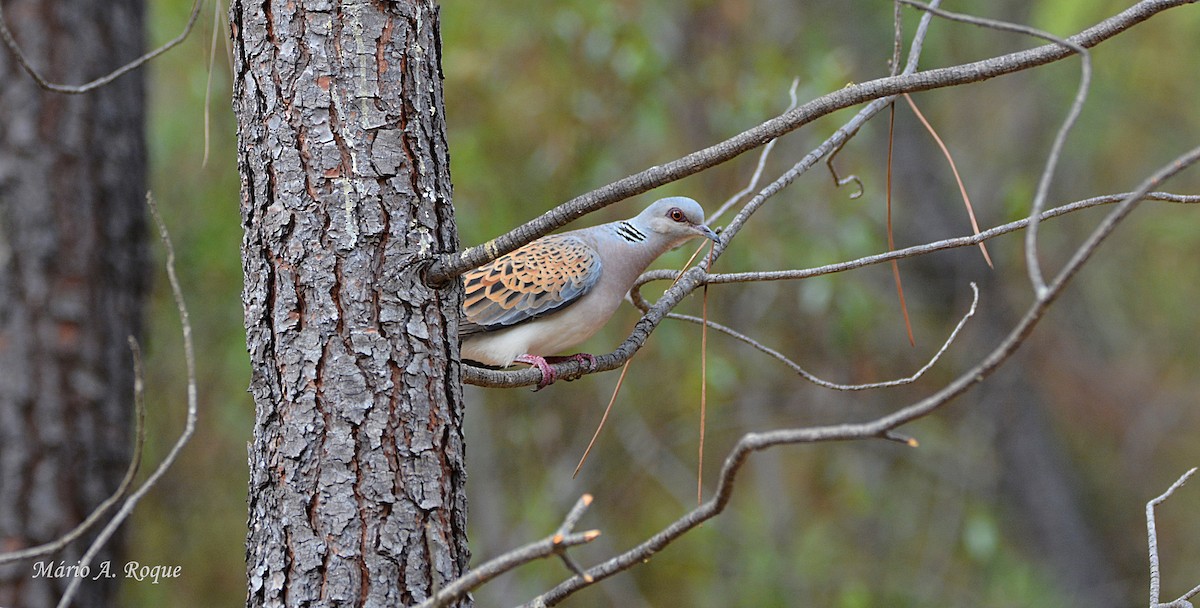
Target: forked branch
(555, 544)
(1152, 541)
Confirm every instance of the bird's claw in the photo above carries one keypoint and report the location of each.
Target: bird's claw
(587, 361)
(548, 373)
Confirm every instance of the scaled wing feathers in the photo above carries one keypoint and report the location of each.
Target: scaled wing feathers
(532, 281)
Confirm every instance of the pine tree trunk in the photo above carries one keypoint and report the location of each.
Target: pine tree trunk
(72, 281)
(357, 464)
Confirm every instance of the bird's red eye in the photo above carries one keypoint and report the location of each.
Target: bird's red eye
(676, 214)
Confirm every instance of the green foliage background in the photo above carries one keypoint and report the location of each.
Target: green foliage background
(548, 100)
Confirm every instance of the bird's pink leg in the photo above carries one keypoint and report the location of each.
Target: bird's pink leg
(548, 373)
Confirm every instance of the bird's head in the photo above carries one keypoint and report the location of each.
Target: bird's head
(677, 219)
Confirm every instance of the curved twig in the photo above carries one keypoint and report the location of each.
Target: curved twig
(68, 89)
(189, 426)
(762, 163)
(795, 367)
(555, 544)
(1060, 138)
(914, 56)
(839, 181)
(1152, 541)
(135, 461)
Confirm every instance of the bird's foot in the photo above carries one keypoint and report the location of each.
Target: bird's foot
(548, 373)
(587, 361)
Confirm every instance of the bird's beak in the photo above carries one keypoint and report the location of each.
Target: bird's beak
(708, 233)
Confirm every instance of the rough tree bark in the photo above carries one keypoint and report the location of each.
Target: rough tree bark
(72, 281)
(357, 465)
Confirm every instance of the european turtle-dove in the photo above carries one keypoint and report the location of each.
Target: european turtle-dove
(560, 289)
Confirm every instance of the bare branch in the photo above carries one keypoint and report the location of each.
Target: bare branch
(555, 544)
(15, 48)
(833, 385)
(1152, 540)
(189, 427)
(879, 428)
(135, 460)
(1036, 310)
(447, 266)
(212, 58)
(762, 163)
(897, 38)
(918, 250)
(571, 369)
(1060, 138)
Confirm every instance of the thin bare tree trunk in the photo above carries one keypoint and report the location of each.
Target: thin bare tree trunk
(357, 464)
(72, 281)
